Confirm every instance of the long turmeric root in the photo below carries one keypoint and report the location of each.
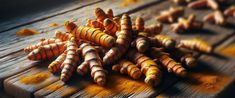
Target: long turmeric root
(55, 65)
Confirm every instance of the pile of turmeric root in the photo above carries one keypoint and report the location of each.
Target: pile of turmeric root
(125, 46)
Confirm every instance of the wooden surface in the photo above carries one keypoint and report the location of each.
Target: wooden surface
(13, 62)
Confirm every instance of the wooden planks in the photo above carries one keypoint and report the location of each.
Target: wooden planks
(23, 85)
(11, 53)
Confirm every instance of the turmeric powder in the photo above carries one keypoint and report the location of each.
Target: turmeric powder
(27, 32)
(35, 78)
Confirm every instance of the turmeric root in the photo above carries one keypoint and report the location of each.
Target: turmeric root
(230, 12)
(216, 17)
(122, 43)
(184, 56)
(82, 69)
(170, 15)
(42, 42)
(93, 35)
(91, 56)
(168, 63)
(47, 51)
(110, 14)
(148, 67)
(69, 26)
(196, 44)
(95, 24)
(62, 36)
(204, 3)
(110, 26)
(72, 59)
(186, 24)
(153, 29)
(182, 1)
(163, 40)
(55, 65)
(100, 14)
(139, 24)
(127, 67)
(141, 43)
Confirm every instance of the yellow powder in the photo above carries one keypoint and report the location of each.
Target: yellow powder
(53, 25)
(209, 82)
(26, 32)
(117, 85)
(229, 51)
(127, 2)
(54, 87)
(35, 79)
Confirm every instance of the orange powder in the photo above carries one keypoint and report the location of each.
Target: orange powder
(35, 79)
(53, 25)
(54, 87)
(118, 85)
(209, 83)
(229, 51)
(127, 2)
(26, 32)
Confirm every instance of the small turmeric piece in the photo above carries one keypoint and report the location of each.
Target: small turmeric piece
(55, 65)
(100, 14)
(196, 44)
(94, 61)
(26, 32)
(95, 24)
(69, 26)
(62, 36)
(122, 43)
(184, 56)
(47, 51)
(204, 3)
(82, 69)
(110, 26)
(110, 14)
(141, 43)
(127, 67)
(42, 42)
(216, 17)
(72, 59)
(168, 63)
(148, 67)
(163, 40)
(186, 24)
(230, 12)
(170, 15)
(153, 29)
(92, 34)
(139, 24)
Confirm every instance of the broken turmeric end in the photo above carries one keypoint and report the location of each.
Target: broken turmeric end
(27, 32)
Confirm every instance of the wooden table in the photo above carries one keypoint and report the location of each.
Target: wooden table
(14, 64)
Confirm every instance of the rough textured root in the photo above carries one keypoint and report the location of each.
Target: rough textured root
(47, 51)
(168, 63)
(62, 36)
(93, 35)
(70, 26)
(82, 69)
(153, 29)
(95, 63)
(148, 67)
(100, 14)
(184, 56)
(170, 15)
(117, 21)
(216, 17)
(55, 65)
(41, 43)
(196, 44)
(139, 24)
(163, 40)
(127, 67)
(110, 26)
(71, 60)
(122, 43)
(198, 4)
(142, 43)
(230, 12)
(95, 24)
(110, 14)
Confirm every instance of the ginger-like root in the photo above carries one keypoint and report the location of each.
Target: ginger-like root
(55, 65)
(204, 3)
(216, 17)
(153, 29)
(82, 69)
(110, 26)
(95, 24)
(62, 36)
(127, 67)
(100, 14)
(171, 15)
(110, 14)
(163, 40)
(230, 12)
